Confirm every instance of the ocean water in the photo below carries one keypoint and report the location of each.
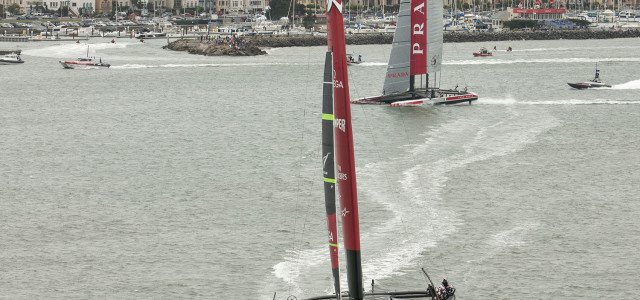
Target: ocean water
(175, 176)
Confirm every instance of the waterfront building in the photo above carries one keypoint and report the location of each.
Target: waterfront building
(246, 6)
(33, 7)
(108, 6)
(537, 14)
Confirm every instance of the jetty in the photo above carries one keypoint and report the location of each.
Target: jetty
(254, 45)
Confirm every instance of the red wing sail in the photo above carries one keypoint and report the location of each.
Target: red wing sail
(345, 164)
(418, 37)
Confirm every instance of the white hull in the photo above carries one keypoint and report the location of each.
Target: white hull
(469, 97)
(76, 65)
(7, 62)
(11, 59)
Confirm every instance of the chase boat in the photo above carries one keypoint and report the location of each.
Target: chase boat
(11, 59)
(483, 52)
(83, 63)
(593, 83)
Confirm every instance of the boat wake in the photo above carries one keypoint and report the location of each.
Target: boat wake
(581, 102)
(410, 213)
(373, 64)
(418, 207)
(72, 50)
(541, 60)
(496, 101)
(142, 66)
(496, 245)
(631, 85)
(579, 49)
(512, 101)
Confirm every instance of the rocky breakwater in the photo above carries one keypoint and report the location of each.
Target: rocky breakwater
(216, 47)
(462, 36)
(249, 46)
(319, 40)
(253, 45)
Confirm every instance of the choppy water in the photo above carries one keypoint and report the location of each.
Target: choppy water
(173, 176)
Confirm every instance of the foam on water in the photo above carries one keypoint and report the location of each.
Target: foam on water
(496, 101)
(631, 85)
(373, 64)
(512, 101)
(414, 200)
(73, 49)
(195, 65)
(580, 102)
(496, 245)
(489, 141)
(566, 49)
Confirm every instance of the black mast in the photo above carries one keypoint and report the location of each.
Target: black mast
(328, 169)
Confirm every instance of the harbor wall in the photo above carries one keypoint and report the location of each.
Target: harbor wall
(449, 37)
(252, 45)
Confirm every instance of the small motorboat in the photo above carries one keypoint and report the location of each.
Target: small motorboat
(83, 63)
(351, 59)
(483, 52)
(593, 83)
(11, 59)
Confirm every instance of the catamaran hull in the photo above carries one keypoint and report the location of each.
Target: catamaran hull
(588, 85)
(447, 97)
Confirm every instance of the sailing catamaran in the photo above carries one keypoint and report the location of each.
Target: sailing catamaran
(417, 51)
(337, 144)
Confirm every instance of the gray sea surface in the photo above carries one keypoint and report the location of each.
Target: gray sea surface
(176, 176)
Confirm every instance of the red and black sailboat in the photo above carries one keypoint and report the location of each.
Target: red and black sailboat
(339, 169)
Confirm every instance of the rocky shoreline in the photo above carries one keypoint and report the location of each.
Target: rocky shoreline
(216, 47)
(253, 45)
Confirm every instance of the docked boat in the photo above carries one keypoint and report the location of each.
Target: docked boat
(416, 60)
(84, 63)
(593, 83)
(338, 159)
(11, 59)
(151, 35)
(483, 52)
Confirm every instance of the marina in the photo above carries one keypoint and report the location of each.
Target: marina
(172, 175)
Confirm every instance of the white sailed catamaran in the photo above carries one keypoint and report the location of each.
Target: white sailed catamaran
(416, 54)
(338, 155)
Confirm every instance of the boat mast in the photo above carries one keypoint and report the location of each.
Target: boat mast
(328, 169)
(345, 163)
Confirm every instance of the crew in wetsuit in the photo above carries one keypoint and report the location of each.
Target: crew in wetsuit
(432, 292)
(447, 290)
